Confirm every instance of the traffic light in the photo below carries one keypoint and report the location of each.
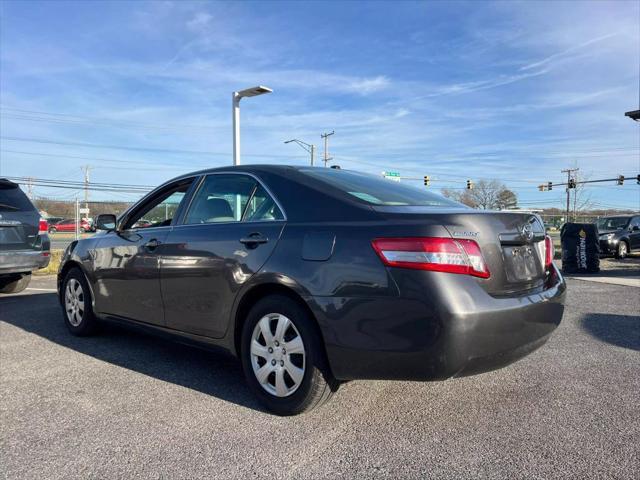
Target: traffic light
(572, 183)
(549, 185)
(469, 184)
(638, 179)
(620, 180)
(427, 180)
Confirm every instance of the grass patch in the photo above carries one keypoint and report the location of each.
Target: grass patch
(54, 264)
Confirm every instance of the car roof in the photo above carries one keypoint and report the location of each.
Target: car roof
(251, 168)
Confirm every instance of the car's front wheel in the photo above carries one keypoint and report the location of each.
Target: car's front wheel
(15, 283)
(76, 304)
(283, 357)
(622, 250)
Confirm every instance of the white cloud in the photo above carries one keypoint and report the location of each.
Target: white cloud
(366, 86)
(199, 22)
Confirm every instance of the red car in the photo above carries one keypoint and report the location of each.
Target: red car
(69, 225)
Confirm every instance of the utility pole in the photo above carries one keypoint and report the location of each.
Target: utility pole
(325, 137)
(30, 188)
(86, 169)
(569, 171)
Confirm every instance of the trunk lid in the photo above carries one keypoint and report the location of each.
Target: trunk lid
(512, 243)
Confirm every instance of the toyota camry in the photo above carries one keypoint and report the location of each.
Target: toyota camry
(317, 276)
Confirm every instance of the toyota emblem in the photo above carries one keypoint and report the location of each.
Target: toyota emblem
(526, 231)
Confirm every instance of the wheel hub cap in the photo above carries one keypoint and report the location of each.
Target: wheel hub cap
(277, 355)
(74, 302)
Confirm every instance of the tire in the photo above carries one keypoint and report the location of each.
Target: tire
(283, 393)
(622, 249)
(75, 300)
(53, 230)
(15, 284)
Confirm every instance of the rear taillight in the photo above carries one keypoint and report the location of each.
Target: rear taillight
(548, 251)
(432, 253)
(43, 226)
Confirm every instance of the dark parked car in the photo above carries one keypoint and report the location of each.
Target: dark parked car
(314, 276)
(24, 243)
(619, 235)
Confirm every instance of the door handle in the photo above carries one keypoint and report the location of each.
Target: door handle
(151, 245)
(254, 239)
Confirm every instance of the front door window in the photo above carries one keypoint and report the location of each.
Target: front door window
(159, 211)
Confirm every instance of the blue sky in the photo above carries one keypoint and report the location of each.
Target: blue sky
(141, 91)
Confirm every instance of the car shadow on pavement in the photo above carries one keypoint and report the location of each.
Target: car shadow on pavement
(206, 371)
(619, 330)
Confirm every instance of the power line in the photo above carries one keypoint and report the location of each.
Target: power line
(37, 115)
(141, 149)
(155, 164)
(74, 185)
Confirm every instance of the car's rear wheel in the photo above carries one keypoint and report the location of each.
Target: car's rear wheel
(622, 250)
(76, 304)
(15, 283)
(53, 230)
(283, 357)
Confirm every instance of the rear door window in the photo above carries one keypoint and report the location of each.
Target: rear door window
(262, 207)
(221, 199)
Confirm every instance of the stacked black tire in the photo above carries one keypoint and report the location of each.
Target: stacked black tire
(580, 248)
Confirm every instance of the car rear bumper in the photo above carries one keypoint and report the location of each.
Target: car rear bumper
(23, 261)
(454, 329)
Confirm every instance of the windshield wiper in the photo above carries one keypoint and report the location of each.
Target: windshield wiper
(8, 207)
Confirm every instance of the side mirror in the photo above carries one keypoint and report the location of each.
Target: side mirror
(106, 221)
(635, 228)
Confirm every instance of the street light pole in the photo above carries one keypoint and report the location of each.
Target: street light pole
(236, 127)
(235, 113)
(307, 146)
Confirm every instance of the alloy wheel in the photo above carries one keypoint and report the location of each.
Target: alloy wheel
(74, 302)
(277, 355)
(622, 250)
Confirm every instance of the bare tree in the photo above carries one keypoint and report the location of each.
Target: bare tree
(506, 199)
(581, 198)
(485, 195)
(460, 196)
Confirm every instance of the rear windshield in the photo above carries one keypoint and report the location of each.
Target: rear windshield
(12, 199)
(376, 190)
(612, 223)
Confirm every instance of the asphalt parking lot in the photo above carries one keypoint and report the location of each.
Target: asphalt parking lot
(125, 405)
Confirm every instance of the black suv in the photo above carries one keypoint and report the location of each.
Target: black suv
(619, 235)
(24, 243)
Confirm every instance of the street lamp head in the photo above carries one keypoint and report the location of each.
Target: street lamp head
(633, 115)
(289, 141)
(253, 91)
